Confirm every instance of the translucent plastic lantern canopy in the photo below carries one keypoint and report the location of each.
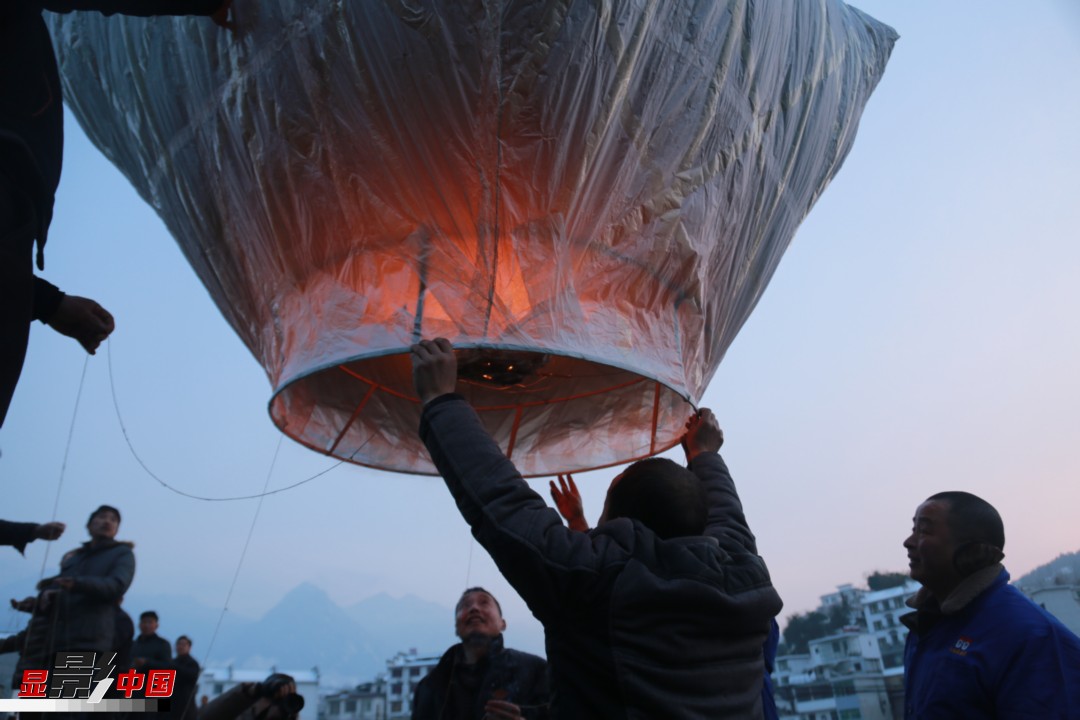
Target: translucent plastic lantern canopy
(588, 198)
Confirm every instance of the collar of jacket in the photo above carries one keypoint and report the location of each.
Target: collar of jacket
(457, 652)
(928, 609)
(88, 545)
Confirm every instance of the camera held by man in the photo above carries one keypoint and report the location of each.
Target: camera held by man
(275, 698)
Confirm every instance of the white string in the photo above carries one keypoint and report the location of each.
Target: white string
(63, 465)
(243, 555)
(167, 486)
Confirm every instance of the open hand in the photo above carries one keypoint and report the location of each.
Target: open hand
(568, 501)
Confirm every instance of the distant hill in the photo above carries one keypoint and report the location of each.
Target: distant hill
(307, 629)
(1062, 570)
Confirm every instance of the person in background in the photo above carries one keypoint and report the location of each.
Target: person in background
(479, 677)
(149, 649)
(187, 681)
(275, 698)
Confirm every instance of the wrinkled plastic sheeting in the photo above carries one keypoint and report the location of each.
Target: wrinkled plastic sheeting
(587, 195)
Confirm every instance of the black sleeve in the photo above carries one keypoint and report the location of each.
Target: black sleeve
(47, 299)
(17, 535)
(726, 521)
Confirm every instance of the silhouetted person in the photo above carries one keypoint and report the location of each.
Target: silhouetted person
(31, 150)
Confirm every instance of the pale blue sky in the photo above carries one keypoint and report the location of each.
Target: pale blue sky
(920, 335)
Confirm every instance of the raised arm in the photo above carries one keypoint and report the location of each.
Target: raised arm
(526, 538)
(726, 521)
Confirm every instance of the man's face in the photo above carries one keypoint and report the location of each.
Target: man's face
(477, 614)
(183, 647)
(148, 625)
(930, 547)
(103, 526)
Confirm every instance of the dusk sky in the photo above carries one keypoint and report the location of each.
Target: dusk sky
(920, 335)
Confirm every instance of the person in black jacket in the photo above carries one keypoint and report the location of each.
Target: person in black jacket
(31, 150)
(661, 611)
(478, 677)
(187, 681)
(150, 650)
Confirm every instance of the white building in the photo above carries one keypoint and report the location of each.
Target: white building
(846, 596)
(840, 679)
(881, 612)
(856, 673)
(404, 672)
(1061, 601)
(366, 701)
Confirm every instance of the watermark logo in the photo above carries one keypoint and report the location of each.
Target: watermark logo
(77, 683)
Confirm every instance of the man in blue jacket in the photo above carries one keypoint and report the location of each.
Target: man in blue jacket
(661, 611)
(977, 647)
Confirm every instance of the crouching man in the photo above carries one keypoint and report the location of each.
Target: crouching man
(274, 698)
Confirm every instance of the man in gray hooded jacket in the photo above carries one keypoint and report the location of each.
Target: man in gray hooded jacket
(76, 609)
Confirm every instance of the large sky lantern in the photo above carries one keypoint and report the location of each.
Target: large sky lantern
(587, 197)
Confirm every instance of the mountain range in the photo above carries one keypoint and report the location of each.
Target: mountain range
(304, 630)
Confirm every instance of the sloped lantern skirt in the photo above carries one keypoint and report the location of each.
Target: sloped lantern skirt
(588, 198)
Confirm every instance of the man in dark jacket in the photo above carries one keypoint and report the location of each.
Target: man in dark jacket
(275, 698)
(978, 647)
(187, 681)
(150, 650)
(659, 612)
(31, 149)
(478, 677)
